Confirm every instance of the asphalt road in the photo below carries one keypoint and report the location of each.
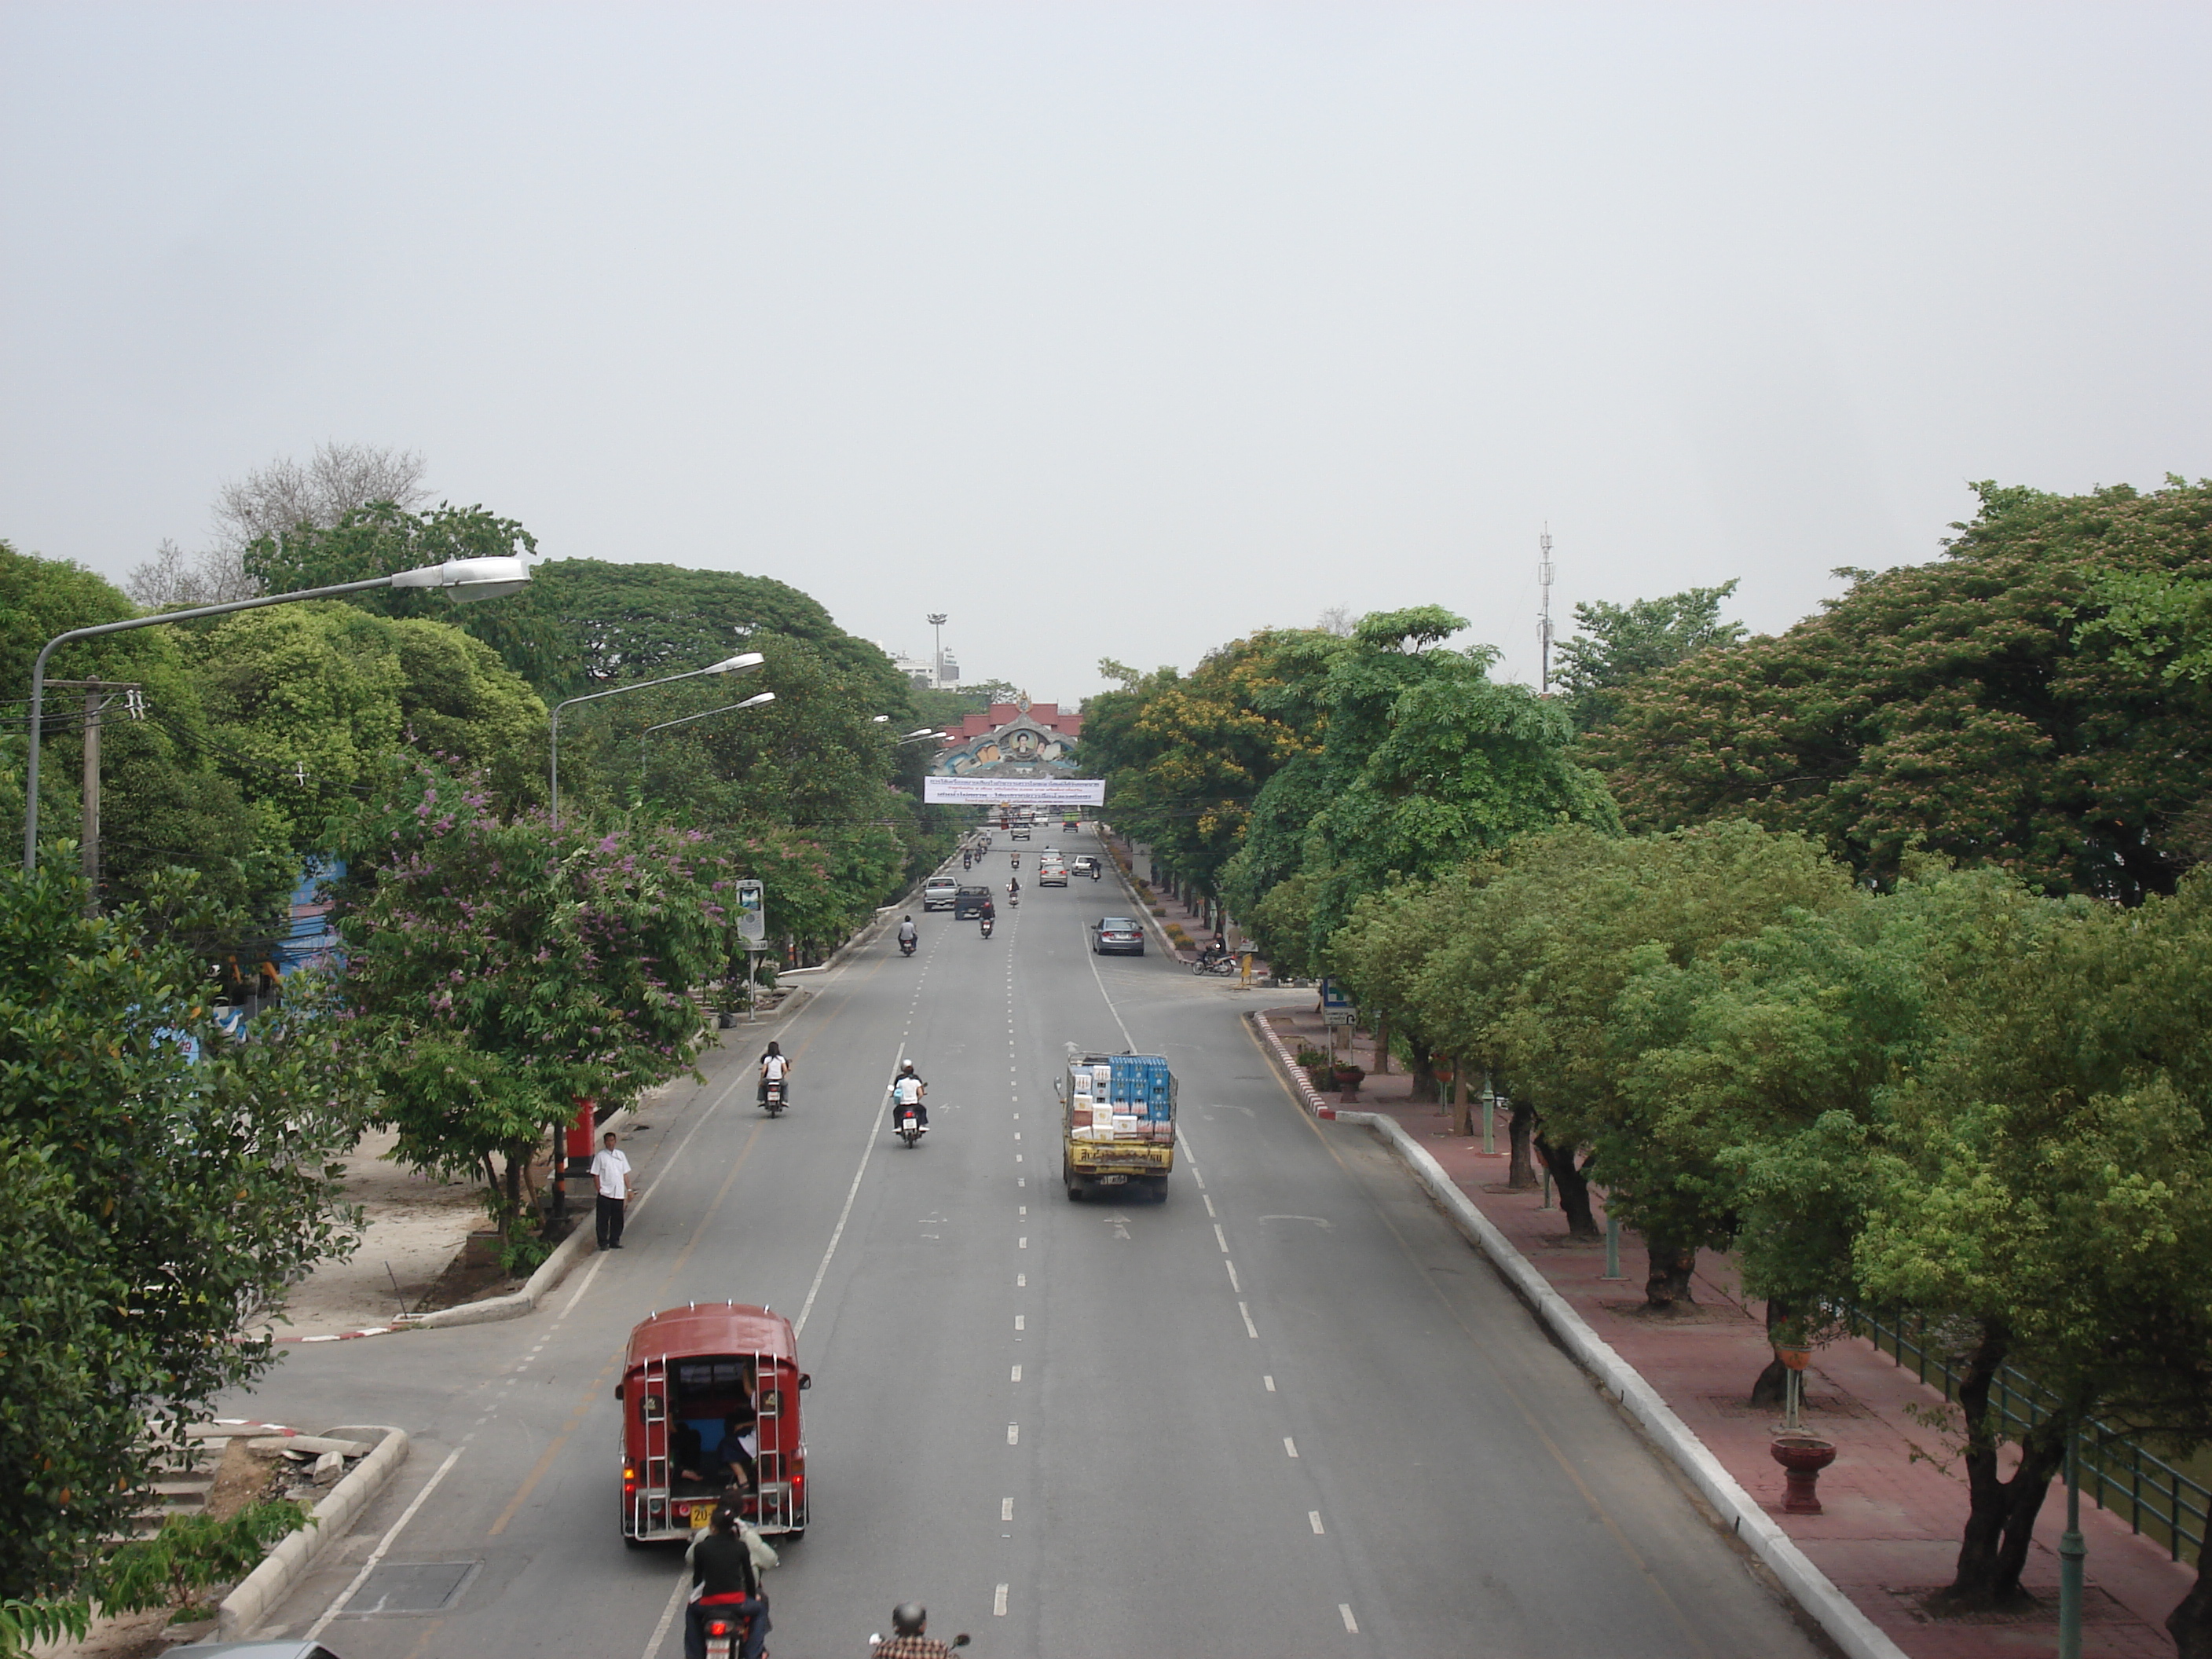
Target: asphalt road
(1288, 1412)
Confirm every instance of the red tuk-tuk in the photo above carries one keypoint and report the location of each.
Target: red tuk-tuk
(709, 1390)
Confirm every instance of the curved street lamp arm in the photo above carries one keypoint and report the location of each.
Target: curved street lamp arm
(39, 676)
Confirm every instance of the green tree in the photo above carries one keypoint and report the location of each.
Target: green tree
(156, 1205)
(500, 970)
(1185, 757)
(1616, 644)
(1423, 762)
(1978, 705)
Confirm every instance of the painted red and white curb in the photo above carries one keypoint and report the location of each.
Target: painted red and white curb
(1299, 1080)
(340, 1336)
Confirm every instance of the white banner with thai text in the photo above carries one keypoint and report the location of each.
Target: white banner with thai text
(1015, 791)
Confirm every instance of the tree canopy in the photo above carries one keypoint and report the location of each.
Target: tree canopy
(1994, 706)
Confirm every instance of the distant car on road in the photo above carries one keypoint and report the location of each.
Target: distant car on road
(1019, 832)
(1051, 872)
(967, 904)
(1120, 936)
(285, 1648)
(938, 892)
(1083, 864)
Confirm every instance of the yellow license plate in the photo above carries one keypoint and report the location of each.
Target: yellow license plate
(701, 1515)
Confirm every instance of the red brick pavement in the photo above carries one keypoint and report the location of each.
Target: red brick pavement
(1890, 1533)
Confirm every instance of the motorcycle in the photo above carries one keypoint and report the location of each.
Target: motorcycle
(727, 1633)
(907, 1125)
(987, 926)
(905, 947)
(959, 1641)
(1225, 965)
(772, 1096)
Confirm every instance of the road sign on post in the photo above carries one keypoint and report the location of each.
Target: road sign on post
(752, 930)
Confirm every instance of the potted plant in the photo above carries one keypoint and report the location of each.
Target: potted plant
(1347, 1078)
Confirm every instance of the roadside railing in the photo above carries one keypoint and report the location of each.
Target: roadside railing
(2157, 1499)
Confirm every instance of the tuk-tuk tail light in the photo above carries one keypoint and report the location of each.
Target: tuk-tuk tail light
(629, 1480)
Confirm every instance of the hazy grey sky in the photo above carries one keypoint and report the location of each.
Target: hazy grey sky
(1115, 329)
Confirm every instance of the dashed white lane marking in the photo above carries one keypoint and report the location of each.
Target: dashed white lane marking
(1014, 1434)
(1017, 1157)
(1200, 1180)
(1005, 1509)
(1018, 1374)
(1024, 1244)
(1290, 1446)
(1021, 1209)
(1251, 1329)
(1017, 1134)
(1233, 1283)
(1221, 1238)
(1270, 1382)
(1019, 1321)
(1350, 1624)
(1208, 1197)
(999, 1601)
(1021, 1281)
(1314, 1516)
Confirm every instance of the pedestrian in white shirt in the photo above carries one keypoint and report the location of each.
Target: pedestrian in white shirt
(611, 1169)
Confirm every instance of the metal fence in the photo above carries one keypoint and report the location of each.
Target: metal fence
(2117, 1472)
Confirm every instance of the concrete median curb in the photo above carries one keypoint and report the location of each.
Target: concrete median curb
(1851, 1630)
(268, 1584)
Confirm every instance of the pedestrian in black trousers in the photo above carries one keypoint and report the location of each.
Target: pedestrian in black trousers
(610, 1170)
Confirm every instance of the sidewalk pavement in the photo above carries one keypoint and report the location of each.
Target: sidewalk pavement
(1890, 1532)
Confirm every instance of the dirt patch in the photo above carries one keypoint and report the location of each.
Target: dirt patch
(243, 1477)
(468, 1280)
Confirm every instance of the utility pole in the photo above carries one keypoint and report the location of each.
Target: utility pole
(96, 694)
(937, 664)
(1544, 623)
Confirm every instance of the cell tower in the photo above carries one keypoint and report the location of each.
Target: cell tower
(1543, 621)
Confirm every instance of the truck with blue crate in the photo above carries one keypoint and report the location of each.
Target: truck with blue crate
(1117, 1123)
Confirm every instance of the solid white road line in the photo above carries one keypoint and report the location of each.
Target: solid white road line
(384, 1544)
(846, 1214)
(675, 1599)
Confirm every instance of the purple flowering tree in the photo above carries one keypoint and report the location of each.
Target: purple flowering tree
(499, 970)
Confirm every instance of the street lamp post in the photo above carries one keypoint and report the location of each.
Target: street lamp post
(746, 660)
(937, 666)
(466, 580)
(753, 702)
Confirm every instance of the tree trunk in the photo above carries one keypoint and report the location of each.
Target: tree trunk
(2190, 1624)
(1572, 1187)
(1767, 1390)
(515, 1157)
(1520, 1133)
(1382, 1066)
(1666, 1280)
(1425, 1087)
(2000, 1514)
(1463, 1120)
